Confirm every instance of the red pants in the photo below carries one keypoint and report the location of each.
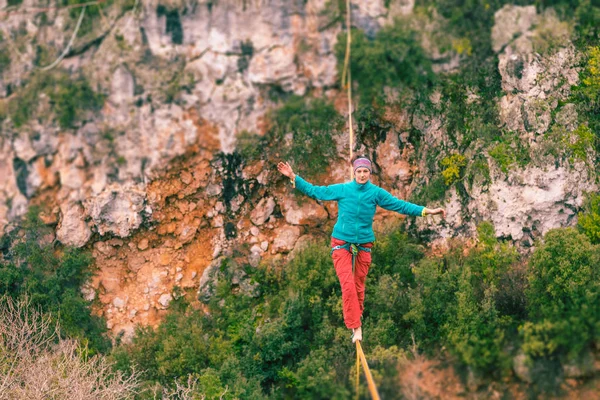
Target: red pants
(353, 285)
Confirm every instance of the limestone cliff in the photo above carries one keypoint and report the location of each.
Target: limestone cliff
(151, 181)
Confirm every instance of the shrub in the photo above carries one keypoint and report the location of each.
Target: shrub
(573, 146)
(393, 58)
(563, 295)
(591, 74)
(431, 300)
(434, 191)
(250, 146)
(92, 14)
(303, 131)
(4, 60)
(475, 332)
(589, 219)
(585, 95)
(454, 168)
(550, 33)
(52, 281)
(71, 99)
(35, 363)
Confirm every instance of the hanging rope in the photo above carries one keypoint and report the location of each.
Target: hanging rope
(347, 82)
(64, 53)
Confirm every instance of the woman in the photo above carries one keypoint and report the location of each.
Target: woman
(353, 231)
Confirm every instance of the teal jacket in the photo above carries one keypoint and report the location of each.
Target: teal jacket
(356, 207)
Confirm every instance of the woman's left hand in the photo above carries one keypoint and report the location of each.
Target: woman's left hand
(435, 211)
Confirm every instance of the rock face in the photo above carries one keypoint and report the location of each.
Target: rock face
(511, 22)
(72, 229)
(152, 176)
(524, 203)
(308, 213)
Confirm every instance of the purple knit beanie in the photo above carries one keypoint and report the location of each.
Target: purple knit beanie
(362, 162)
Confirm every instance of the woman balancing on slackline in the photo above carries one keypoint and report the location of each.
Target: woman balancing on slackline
(357, 201)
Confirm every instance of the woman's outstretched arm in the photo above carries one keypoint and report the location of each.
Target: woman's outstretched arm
(332, 192)
(389, 202)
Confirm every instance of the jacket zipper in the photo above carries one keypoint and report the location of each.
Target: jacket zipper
(356, 220)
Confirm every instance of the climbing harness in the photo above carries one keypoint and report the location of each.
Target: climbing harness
(354, 248)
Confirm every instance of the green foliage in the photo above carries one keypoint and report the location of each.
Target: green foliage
(586, 97)
(52, 280)
(372, 127)
(583, 143)
(250, 145)
(393, 58)
(550, 33)
(589, 220)
(289, 342)
(456, 299)
(587, 23)
(573, 146)
(454, 168)
(504, 156)
(469, 103)
(591, 74)
(476, 333)
(4, 60)
(92, 14)
(478, 170)
(509, 152)
(70, 99)
(563, 296)
(303, 131)
(434, 191)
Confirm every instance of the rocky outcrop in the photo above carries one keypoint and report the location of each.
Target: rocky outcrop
(150, 181)
(526, 202)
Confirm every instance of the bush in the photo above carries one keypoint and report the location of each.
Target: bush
(589, 219)
(92, 14)
(454, 168)
(591, 74)
(586, 97)
(475, 333)
(393, 58)
(303, 133)
(35, 363)
(434, 191)
(4, 60)
(52, 281)
(563, 296)
(70, 98)
(510, 150)
(250, 146)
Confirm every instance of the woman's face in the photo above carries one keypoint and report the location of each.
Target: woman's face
(362, 175)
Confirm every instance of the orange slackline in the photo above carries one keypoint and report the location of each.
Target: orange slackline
(370, 382)
(347, 82)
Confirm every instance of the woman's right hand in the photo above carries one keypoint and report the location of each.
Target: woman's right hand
(286, 170)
